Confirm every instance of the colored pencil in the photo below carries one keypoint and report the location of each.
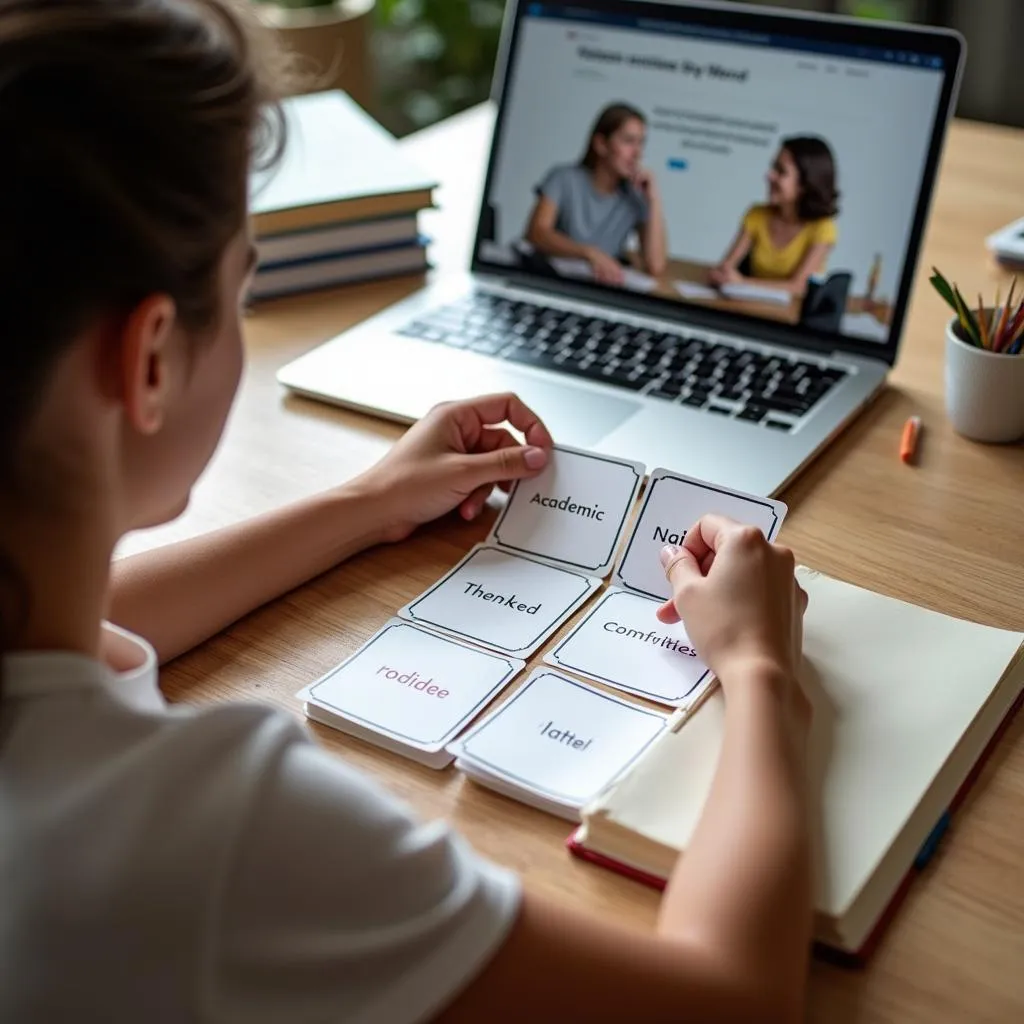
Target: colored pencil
(967, 318)
(1008, 305)
(982, 325)
(1016, 324)
(1004, 313)
(998, 329)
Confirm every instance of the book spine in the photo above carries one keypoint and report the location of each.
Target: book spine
(326, 283)
(351, 239)
(415, 242)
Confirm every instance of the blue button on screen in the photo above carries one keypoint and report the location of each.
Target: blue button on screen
(677, 163)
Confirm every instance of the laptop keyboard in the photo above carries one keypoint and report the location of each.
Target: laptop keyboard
(723, 379)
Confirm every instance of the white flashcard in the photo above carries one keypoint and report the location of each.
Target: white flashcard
(621, 643)
(670, 507)
(574, 513)
(558, 738)
(413, 687)
(507, 602)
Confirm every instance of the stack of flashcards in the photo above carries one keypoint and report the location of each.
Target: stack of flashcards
(409, 691)
(556, 743)
(419, 683)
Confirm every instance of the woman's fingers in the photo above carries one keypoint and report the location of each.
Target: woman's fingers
(473, 415)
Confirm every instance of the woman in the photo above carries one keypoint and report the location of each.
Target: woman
(787, 240)
(590, 210)
(213, 864)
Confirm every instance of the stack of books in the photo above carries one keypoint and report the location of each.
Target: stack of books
(342, 205)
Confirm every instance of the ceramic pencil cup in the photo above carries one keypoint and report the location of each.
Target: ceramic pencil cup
(984, 390)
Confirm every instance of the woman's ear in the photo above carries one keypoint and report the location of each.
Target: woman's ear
(146, 348)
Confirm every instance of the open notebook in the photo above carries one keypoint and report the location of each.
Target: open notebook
(906, 704)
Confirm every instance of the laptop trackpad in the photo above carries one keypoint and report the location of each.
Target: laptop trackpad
(574, 416)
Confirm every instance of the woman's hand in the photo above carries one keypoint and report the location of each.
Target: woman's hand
(606, 269)
(646, 184)
(724, 274)
(739, 599)
(452, 458)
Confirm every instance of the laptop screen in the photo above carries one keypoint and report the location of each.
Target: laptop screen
(768, 168)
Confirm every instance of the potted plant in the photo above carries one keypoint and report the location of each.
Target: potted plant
(330, 40)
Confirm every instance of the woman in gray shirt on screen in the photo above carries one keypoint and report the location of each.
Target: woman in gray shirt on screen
(589, 210)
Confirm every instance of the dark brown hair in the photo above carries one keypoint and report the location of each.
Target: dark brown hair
(608, 122)
(128, 130)
(816, 168)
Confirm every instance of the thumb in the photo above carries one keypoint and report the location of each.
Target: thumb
(680, 568)
(507, 463)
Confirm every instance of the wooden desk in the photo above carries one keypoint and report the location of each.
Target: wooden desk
(948, 533)
(693, 272)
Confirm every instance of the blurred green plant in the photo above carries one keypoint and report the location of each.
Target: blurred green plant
(885, 10)
(433, 58)
(297, 3)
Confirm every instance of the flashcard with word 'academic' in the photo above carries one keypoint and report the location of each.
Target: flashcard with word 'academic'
(409, 691)
(574, 513)
(556, 742)
(509, 603)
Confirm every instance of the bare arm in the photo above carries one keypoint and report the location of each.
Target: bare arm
(543, 236)
(743, 887)
(181, 594)
(734, 931)
(726, 270)
(653, 237)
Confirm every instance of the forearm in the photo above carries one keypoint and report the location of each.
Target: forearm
(181, 594)
(742, 890)
(738, 251)
(555, 243)
(792, 285)
(655, 249)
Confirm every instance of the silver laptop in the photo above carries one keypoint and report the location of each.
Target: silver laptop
(697, 240)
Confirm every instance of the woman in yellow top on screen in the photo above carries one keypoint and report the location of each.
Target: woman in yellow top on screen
(785, 241)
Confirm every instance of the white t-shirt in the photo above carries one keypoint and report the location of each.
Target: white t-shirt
(166, 864)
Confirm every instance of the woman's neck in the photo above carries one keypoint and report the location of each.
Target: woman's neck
(59, 584)
(604, 179)
(787, 212)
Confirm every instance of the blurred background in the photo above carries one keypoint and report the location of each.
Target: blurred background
(414, 62)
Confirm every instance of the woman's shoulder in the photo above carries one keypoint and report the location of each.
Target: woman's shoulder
(823, 230)
(757, 216)
(560, 179)
(567, 172)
